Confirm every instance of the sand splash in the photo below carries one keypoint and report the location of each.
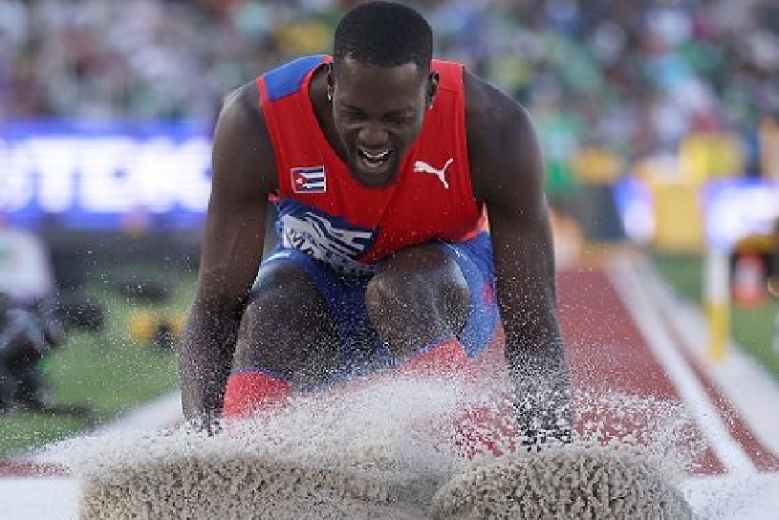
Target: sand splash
(393, 449)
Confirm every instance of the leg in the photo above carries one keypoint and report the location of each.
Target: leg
(417, 299)
(286, 327)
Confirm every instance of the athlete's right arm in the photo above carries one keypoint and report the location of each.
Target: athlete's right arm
(243, 176)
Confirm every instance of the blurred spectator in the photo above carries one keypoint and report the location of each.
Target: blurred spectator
(636, 76)
(25, 338)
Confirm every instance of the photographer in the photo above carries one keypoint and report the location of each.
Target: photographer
(26, 336)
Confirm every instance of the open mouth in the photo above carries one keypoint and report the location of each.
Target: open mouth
(374, 160)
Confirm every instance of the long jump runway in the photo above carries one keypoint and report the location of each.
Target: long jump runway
(627, 336)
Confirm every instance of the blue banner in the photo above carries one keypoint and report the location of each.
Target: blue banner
(635, 204)
(118, 175)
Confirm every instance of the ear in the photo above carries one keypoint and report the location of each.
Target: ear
(432, 89)
(330, 79)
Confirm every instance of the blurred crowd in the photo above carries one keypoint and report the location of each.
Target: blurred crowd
(633, 75)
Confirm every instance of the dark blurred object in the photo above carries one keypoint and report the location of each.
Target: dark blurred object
(159, 328)
(67, 268)
(77, 312)
(164, 337)
(137, 288)
(80, 256)
(594, 208)
(27, 335)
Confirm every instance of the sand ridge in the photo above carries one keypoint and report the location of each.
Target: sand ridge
(389, 449)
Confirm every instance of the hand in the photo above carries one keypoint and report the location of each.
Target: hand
(533, 441)
(208, 423)
(544, 416)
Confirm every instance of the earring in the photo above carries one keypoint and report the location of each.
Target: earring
(329, 94)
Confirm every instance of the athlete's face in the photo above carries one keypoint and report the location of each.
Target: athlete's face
(378, 113)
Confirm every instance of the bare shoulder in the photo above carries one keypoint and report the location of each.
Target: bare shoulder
(242, 107)
(491, 114)
(502, 142)
(242, 151)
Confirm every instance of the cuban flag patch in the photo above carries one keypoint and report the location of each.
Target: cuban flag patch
(309, 179)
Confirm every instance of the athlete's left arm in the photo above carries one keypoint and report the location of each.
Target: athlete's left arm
(507, 172)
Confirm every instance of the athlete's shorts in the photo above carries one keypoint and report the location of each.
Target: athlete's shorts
(360, 348)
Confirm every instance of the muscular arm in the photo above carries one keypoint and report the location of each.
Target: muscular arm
(231, 252)
(507, 172)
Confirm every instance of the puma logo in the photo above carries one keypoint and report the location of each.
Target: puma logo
(423, 167)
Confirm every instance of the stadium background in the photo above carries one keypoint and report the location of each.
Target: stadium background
(106, 113)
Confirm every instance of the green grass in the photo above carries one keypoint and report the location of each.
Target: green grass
(108, 370)
(683, 272)
(752, 328)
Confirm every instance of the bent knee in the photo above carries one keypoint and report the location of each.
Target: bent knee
(391, 293)
(283, 294)
(286, 327)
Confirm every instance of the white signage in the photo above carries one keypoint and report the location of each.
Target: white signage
(104, 175)
(740, 207)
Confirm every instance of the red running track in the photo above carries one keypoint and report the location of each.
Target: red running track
(608, 353)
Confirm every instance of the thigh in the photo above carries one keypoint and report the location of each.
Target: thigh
(303, 314)
(436, 291)
(286, 327)
(418, 298)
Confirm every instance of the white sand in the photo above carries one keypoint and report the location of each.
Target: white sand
(389, 449)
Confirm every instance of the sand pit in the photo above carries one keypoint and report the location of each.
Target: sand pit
(573, 482)
(239, 488)
(324, 457)
(388, 451)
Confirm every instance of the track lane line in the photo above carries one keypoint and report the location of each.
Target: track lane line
(747, 392)
(728, 450)
(609, 358)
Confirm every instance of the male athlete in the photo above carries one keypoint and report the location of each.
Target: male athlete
(380, 162)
